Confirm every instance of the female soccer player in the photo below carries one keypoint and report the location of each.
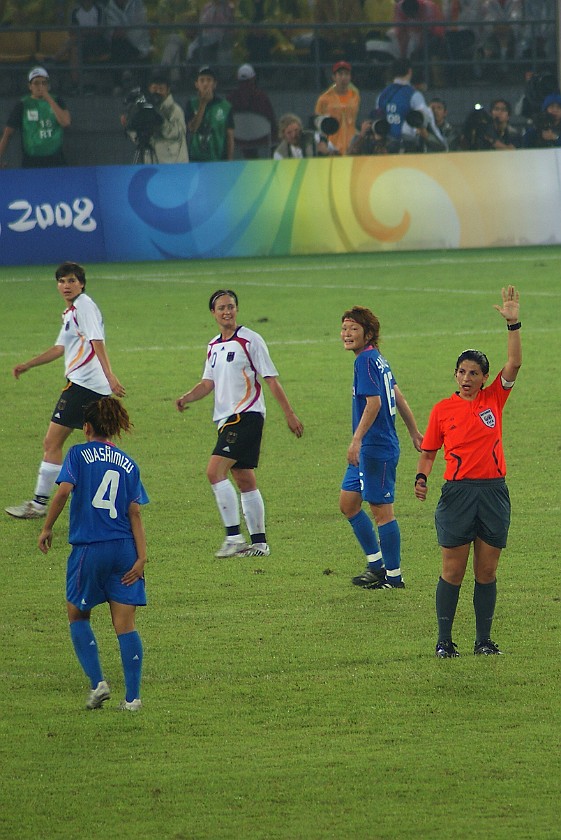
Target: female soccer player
(89, 376)
(474, 506)
(236, 358)
(108, 545)
(374, 452)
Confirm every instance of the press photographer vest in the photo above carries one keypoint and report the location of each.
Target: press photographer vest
(395, 100)
(209, 141)
(41, 133)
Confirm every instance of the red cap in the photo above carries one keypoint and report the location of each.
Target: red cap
(341, 65)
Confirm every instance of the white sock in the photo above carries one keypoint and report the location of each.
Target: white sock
(227, 502)
(48, 474)
(254, 511)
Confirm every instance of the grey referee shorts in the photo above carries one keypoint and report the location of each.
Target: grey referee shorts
(473, 508)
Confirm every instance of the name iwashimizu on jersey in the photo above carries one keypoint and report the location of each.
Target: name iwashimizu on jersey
(109, 455)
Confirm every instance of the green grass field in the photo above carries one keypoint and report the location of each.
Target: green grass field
(280, 702)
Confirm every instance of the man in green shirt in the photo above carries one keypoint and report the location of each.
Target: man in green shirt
(210, 121)
(41, 119)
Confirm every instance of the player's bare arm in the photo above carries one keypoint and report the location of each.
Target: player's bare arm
(49, 355)
(201, 390)
(279, 394)
(371, 411)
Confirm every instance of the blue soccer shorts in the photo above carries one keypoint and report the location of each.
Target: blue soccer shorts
(94, 572)
(373, 479)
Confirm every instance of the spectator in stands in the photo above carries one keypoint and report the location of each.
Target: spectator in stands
(210, 121)
(397, 101)
(171, 45)
(294, 141)
(539, 38)
(82, 46)
(212, 39)
(464, 36)
(337, 41)
(412, 39)
(30, 12)
(129, 42)
(447, 130)
(342, 101)
(168, 142)
(41, 119)
(248, 97)
(501, 35)
(545, 132)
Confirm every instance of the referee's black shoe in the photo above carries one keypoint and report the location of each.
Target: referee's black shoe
(486, 648)
(446, 649)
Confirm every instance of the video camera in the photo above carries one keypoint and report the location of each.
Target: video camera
(143, 115)
(478, 133)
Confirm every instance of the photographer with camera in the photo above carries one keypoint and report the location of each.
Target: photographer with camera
(545, 133)
(486, 131)
(398, 102)
(372, 139)
(156, 123)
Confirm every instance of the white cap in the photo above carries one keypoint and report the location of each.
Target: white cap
(38, 72)
(246, 72)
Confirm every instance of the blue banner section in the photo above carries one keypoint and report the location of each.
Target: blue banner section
(49, 215)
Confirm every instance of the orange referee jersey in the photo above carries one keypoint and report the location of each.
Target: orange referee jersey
(471, 433)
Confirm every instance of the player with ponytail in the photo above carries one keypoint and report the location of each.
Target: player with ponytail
(108, 545)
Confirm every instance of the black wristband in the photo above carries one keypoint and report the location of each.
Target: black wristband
(513, 327)
(420, 476)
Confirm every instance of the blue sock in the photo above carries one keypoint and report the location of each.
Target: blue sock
(366, 535)
(85, 647)
(390, 542)
(131, 657)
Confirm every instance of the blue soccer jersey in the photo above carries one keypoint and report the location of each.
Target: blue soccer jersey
(105, 481)
(373, 378)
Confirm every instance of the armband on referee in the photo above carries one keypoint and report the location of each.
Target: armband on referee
(420, 477)
(512, 327)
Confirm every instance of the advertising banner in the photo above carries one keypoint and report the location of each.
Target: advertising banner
(274, 208)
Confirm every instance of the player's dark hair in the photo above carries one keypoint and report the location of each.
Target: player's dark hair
(366, 318)
(108, 417)
(440, 100)
(215, 295)
(74, 268)
(401, 67)
(474, 356)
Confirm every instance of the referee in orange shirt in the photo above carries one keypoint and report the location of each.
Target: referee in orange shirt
(474, 506)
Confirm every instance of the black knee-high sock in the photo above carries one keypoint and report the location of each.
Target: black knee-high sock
(446, 602)
(484, 600)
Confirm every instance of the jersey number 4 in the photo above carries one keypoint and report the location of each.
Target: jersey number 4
(106, 493)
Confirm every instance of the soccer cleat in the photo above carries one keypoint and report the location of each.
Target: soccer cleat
(230, 548)
(446, 649)
(254, 550)
(98, 696)
(27, 510)
(132, 706)
(376, 579)
(486, 648)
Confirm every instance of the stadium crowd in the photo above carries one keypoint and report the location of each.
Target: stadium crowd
(198, 72)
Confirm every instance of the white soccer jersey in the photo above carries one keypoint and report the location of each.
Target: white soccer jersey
(234, 366)
(81, 323)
